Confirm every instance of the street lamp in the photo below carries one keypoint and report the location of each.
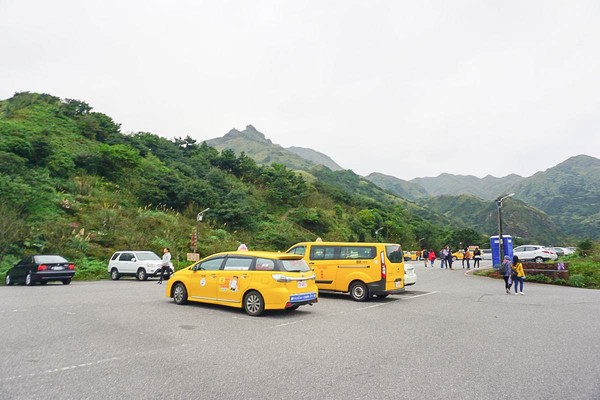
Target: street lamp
(198, 220)
(499, 205)
(377, 232)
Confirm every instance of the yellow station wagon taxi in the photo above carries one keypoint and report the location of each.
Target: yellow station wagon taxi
(252, 280)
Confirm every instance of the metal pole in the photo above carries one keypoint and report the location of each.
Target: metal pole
(499, 204)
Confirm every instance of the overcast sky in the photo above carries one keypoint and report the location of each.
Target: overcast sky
(408, 89)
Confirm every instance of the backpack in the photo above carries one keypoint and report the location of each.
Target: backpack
(425, 254)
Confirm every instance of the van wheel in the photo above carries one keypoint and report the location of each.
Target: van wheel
(254, 304)
(114, 274)
(539, 260)
(141, 275)
(179, 294)
(359, 291)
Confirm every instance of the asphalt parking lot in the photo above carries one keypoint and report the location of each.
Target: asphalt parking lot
(451, 336)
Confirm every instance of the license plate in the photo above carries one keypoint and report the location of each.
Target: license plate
(398, 284)
(57, 268)
(302, 297)
(301, 284)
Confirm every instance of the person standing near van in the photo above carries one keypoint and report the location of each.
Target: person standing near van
(425, 254)
(518, 275)
(165, 265)
(476, 257)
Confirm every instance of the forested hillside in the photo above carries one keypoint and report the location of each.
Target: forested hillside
(72, 183)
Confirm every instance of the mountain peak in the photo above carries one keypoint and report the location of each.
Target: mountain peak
(250, 133)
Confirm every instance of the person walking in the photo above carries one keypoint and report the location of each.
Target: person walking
(449, 260)
(518, 275)
(467, 258)
(476, 257)
(506, 272)
(165, 265)
(431, 257)
(443, 257)
(425, 254)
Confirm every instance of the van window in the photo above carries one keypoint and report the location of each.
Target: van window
(357, 252)
(322, 253)
(394, 253)
(300, 250)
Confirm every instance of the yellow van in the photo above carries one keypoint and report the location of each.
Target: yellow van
(361, 269)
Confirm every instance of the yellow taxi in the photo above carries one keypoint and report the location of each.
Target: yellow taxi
(410, 256)
(252, 280)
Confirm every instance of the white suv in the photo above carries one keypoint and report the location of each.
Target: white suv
(532, 252)
(140, 264)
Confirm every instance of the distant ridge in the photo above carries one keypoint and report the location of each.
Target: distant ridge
(316, 157)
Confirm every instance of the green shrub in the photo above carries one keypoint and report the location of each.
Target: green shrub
(577, 281)
(90, 270)
(560, 281)
(539, 278)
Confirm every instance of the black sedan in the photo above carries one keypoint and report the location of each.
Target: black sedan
(42, 269)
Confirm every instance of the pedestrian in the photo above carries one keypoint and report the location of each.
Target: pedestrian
(418, 255)
(443, 257)
(449, 259)
(506, 272)
(431, 257)
(518, 275)
(476, 257)
(467, 258)
(165, 265)
(425, 256)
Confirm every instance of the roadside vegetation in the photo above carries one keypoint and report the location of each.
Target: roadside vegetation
(583, 266)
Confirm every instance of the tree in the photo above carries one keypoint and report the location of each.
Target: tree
(13, 229)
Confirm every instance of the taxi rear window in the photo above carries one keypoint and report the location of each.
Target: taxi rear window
(295, 265)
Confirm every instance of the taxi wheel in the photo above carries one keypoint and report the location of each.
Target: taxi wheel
(254, 304)
(359, 291)
(179, 294)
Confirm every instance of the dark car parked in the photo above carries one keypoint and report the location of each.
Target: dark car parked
(42, 269)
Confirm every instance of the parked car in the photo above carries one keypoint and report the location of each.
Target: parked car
(486, 254)
(252, 280)
(410, 256)
(410, 278)
(533, 252)
(140, 264)
(41, 268)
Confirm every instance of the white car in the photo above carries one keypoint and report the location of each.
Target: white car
(140, 264)
(533, 252)
(410, 278)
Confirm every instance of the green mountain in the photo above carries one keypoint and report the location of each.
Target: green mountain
(399, 187)
(569, 193)
(521, 221)
(72, 183)
(487, 188)
(315, 157)
(254, 144)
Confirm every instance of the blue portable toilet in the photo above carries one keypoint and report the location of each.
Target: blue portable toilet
(507, 248)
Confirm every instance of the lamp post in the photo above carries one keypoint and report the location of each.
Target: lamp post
(198, 220)
(499, 205)
(377, 232)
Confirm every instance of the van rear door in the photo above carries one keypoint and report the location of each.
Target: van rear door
(394, 267)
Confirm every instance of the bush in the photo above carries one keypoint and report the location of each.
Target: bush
(577, 281)
(90, 270)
